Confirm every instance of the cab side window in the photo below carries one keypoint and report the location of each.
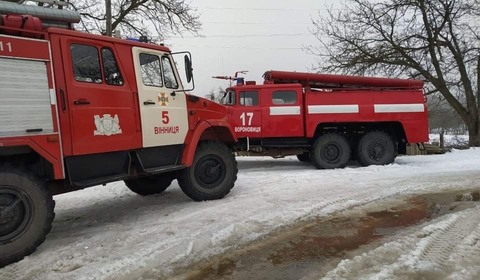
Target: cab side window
(284, 97)
(151, 70)
(86, 63)
(249, 98)
(168, 74)
(228, 98)
(110, 68)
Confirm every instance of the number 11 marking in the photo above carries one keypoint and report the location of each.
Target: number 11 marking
(8, 45)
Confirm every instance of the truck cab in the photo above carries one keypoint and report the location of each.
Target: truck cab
(114, 105)
(266, 111)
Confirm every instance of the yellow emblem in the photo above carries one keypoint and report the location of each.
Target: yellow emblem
(162, 99)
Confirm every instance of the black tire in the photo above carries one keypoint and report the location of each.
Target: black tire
(305, 157)
(23, 227)
(149, 185)
(376, 148)
(330, 151)
(212, 174)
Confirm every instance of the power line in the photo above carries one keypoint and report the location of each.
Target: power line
(243, 36)
(266, 9)
(238, 47)
(258, 23)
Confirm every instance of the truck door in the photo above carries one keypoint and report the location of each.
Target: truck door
(246, 114)
(163, 108)
(101, 111)
(284, 115)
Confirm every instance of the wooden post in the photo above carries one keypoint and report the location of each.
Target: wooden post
(442, 140)
(108, 16)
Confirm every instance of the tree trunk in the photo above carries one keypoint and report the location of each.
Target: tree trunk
(473, 133)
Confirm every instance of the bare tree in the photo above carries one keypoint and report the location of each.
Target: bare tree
(442, 119)
(437, 41)
(138, 17)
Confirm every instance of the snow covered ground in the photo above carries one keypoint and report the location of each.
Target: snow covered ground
(107, 232)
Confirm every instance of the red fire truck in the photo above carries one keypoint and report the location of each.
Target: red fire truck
(328, 119)
(78, 110)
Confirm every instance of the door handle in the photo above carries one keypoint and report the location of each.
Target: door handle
(148, 102)
(81, 102)
(64, 101)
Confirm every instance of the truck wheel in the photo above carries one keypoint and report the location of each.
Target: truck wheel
(305, 157)
(26, 214)
(149, 185)
(330, 151)
(376, 148)
(212, 174)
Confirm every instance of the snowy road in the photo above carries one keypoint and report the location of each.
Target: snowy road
(110, 233)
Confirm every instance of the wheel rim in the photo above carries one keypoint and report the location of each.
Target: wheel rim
(330, 152)
(210, 171)
(376, 151)
(16, 213)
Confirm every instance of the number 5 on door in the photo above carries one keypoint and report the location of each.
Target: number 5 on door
(165, 118)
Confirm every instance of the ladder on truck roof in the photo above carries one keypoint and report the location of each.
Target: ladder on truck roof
(324, 81)
(44, 10)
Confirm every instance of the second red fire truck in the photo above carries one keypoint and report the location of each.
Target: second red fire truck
(328, 119)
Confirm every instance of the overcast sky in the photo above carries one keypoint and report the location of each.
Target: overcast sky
(253, 35)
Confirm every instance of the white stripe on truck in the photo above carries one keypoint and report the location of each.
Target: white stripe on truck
(332, 109)
(284, 110)
(399, 108)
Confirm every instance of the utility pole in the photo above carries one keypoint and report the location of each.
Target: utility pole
(108, 15)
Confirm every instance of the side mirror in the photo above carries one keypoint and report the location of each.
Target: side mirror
(188, 68)
(186, 76)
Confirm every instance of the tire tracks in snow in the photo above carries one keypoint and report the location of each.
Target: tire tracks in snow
(453, 237)
(447, 247)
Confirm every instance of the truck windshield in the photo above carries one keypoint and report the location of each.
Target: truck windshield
(228, 98)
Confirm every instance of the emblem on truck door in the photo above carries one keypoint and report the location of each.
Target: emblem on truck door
(162, 99)
(107, 125)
